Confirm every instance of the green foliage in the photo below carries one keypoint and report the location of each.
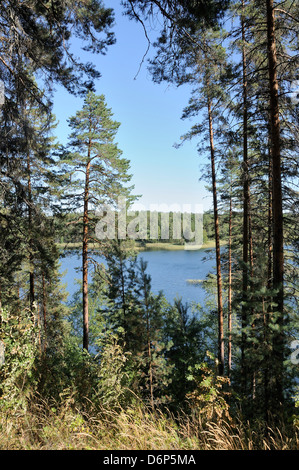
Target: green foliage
(184, 334)
(296, 414)
(129, 311)
(93, 152)
(114, 378)
(143, 349)
(70, 370)
(43, 38)
(209, 395)
(19, 334)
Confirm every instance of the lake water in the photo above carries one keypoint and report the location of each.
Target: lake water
(169, 271)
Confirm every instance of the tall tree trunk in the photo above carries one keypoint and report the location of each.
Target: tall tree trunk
(85, 255)
(217, 241)
(251, 289)
(244, 320)
(270, 222)
(269, 286)
(30, 222)
(250, 234)
(278, 253)
(123, 297)
(149, 350)
(229, 301)
(44, 311)
(29, 203)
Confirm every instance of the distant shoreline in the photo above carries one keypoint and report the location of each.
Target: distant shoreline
(155, 246)
(172, 246)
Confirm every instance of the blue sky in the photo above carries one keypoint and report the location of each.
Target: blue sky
(150, 117)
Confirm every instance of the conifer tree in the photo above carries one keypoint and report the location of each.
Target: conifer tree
(38, 35)
(263, 34)
(120, 312)
(207, 67)
(94, 154)
(27, 168)
(186, 336)
(264, 40)
(155, 370)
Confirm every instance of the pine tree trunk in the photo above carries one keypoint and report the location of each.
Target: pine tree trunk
(270, 222)
(123, 297)
(148, 338)
(278, 253)
(149, 353)
(269, 286)
(250, 236)
(30, 219)
(31, 258)
(245, 212)
(217, 241)
(229, 301)
(44, 311)
(85, 256)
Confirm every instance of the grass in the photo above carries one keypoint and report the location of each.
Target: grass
(50, 427)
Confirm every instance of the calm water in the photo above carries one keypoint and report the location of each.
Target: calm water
(169, 271)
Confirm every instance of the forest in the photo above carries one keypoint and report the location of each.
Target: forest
(118, 367)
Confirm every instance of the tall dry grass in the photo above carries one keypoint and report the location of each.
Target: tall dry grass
(46, 426)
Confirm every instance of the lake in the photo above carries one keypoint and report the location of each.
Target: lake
(169, 271)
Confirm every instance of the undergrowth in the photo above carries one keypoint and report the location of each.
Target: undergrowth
(47, 425)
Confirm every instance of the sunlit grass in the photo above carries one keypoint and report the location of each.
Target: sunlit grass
(51, 427)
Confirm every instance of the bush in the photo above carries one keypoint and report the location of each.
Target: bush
(209, 396)
(17, 380)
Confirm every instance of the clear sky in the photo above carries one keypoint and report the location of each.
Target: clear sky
(150, 117)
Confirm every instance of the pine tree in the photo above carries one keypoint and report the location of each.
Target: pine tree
(186, 336)
(155, 370)
(36, 36)
(207, 66)
(27, 168)
(94, 153)
(120, 313)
